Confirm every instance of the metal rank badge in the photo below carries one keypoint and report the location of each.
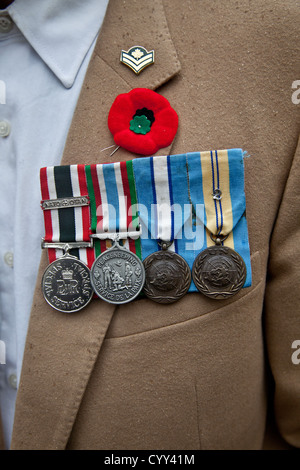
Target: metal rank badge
(219, 272)
(168, 276)
(117, 275)
(137, 58)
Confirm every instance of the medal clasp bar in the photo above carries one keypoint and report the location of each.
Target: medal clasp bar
(65, 203)
(116, 236)
(66, 246)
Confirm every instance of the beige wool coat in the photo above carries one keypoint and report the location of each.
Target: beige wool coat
(198, 373)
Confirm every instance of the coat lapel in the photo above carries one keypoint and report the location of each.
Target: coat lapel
(142, 24)
(61, 349)
(122, 28)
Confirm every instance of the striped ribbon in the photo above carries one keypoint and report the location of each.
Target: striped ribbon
(112, 186)
(171, 197)
(162, 198)
(68, 224)
(109, 186)
(223, 170)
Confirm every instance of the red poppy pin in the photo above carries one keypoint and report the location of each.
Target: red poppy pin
(142, 121)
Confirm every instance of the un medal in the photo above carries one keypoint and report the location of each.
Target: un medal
(117, 275)
(219, 272)
(168, 276)
(66, 284)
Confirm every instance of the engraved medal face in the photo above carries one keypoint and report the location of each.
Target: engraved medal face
(66, 284)
(219, 272)
(168, 276)
(117, 275)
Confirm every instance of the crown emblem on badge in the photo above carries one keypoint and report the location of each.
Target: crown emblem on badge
(137, 58)
(67, 274)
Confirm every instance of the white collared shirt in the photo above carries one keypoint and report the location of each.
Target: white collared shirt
(45, 48)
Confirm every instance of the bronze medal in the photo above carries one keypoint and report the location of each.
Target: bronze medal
(219, 272)
(168, 276)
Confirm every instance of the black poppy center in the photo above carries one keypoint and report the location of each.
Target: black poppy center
(145, 112)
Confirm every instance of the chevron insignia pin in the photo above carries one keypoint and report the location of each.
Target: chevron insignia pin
(137, 58)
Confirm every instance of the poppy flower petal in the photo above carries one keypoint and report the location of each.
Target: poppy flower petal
(145, 98)
(120, 113)
(165, 127)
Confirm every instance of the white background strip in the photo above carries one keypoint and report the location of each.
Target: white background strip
(78, 211)
(161, 178)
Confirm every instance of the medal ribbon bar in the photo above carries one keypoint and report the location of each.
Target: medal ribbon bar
(206, 187)
(117, 274)
(113, 208)
(66, 224)
(66, 281)
(219, 271)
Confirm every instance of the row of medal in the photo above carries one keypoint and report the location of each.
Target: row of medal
(118, 276)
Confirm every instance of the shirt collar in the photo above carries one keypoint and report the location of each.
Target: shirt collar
(61, 32)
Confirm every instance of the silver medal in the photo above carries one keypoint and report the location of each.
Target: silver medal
(117, 275)
(66, 284)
